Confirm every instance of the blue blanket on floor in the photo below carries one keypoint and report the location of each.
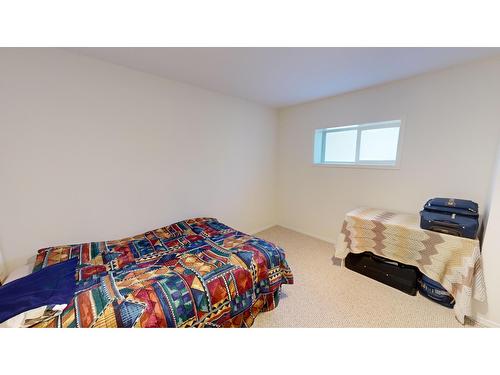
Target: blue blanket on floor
(53, 285)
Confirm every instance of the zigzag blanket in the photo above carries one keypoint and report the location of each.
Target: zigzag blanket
(454, 262)
(195, 273)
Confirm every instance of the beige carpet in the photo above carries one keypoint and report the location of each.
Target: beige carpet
(327, 295)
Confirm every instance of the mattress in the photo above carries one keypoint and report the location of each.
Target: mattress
(194, 273)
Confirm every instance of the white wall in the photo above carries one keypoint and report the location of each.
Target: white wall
(451, 121)
(92, 151)
(489, 313)
(451, 133)
(2, 267)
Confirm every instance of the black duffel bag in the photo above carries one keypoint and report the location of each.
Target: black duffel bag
(400, 276)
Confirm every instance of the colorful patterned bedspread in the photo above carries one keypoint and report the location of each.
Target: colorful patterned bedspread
(195, 273)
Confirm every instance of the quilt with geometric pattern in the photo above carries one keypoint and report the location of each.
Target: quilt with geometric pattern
(194, 273)
(454, 262)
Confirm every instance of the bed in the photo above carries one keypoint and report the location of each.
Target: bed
(194, 273)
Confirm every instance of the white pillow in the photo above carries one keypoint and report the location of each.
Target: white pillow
(18, 320)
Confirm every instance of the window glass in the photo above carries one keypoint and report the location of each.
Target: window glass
(340, 146)
(379, 144)
(365, 144)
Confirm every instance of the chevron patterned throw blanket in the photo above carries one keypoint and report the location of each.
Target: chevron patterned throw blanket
(194, 273)
(454, 262)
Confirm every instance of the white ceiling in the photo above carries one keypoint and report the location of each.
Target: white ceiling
(280, 77)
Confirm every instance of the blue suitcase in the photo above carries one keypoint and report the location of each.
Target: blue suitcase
(457, 217)
(434, 291)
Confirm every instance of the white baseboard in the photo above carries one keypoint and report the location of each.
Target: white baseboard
(263, 229)
(308, 234)
(486, 322)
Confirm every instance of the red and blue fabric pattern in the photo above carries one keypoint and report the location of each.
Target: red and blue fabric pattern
(194, 273)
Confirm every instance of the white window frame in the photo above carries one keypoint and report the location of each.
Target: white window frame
(320, 140)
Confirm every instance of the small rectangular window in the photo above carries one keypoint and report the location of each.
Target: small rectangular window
(375, 144)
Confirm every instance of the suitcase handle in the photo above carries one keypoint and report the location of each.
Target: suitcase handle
(446, 228)
(383, 260)
(446, 224)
